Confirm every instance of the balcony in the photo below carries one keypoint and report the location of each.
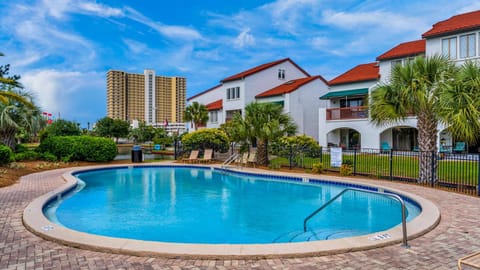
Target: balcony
(360, 112)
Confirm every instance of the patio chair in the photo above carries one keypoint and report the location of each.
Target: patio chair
(252, 159)
(207, 156)
(242, 159)
(459, 147)
(472, 260)
(192, 158)
(385, 147)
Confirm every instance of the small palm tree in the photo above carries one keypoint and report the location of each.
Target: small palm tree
(197, 114)
(429, 88)
(263, 122)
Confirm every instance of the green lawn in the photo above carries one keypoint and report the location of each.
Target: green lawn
(406, 167)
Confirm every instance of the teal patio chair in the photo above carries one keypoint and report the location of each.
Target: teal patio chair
(459, 147)
(385, 147)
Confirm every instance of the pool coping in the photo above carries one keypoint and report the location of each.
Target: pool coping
(35, 221)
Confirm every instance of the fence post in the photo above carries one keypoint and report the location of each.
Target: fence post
(291, 157)
(355, 161)
(391, 165)
(432, 173)
(478, 175)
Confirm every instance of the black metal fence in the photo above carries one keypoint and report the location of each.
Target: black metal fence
(457, 172)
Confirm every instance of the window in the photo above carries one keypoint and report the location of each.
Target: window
(213, 117)
(233, 93)
(449, 47)
(281, 74)
(467, 45)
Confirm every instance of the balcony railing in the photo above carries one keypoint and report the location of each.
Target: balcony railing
(360, 112)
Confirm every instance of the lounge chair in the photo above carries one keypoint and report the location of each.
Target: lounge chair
(242, 159)
(252, 159)
(192, 158)
(207, 156)
(459, 147)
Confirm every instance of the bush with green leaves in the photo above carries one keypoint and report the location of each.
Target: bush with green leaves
(6, 154)
(27, 155)
(297, 144)
(207, 138)
(61, 127)
(79, 148)
(318, 167)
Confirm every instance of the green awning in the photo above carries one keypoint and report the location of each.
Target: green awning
(345, 93)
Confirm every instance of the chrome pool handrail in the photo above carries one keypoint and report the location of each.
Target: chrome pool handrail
(391, 195)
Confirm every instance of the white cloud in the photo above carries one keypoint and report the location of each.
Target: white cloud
(171, 31)
(134, 46)
(57, 91)
(100, 10)
(244, 39)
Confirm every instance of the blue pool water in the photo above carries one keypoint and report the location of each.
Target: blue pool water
(200, 205)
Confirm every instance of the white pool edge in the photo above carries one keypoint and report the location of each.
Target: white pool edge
(35, 221)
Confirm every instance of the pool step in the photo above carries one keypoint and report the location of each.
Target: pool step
(325, 234)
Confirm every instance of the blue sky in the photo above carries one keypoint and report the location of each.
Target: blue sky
(63, 48)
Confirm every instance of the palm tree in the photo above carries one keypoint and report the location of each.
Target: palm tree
(197, 114)
(15, 116)
(264, 122)
(428, 88)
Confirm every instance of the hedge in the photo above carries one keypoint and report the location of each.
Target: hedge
(6, 154)
(79, 148)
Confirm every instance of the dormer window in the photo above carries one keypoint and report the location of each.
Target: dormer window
(281, 74)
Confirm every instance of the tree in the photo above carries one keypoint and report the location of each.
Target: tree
(18, 113)
(116, 128)
(143, 133)
(263, 122)
(61, 127)
(197, 114)
(436, 91)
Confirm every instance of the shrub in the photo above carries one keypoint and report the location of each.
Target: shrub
(49, 157)
(318, 167)
(6, 154)
(20, 148)
(27, 155)
(79, 148)
(206, 138)
(299, 143)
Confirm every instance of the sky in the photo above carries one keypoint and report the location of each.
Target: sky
(63, 49)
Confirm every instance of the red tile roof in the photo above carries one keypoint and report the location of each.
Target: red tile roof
(405, 49)
(457, 23)
(254, 70)
(216, 105)
(363, 72)
(288, 87)
(204, 92)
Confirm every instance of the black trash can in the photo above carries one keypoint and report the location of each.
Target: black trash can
(137, 155)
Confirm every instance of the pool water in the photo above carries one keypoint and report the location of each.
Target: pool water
(202, 205)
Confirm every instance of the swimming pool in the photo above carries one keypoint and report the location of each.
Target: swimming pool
(214, 206)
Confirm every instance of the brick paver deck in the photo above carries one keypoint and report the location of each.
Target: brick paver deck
(457, 235)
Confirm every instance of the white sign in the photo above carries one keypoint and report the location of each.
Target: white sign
(335, 156)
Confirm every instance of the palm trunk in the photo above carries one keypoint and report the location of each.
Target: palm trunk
(427, 142)
(262, 154)
(8, 137)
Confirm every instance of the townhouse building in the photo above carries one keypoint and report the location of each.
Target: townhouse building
(282, 82)
(345, 121)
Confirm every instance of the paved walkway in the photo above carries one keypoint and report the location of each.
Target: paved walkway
(457, 235)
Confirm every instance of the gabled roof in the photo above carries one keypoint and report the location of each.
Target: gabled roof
(405, 49)
(256, 69)
(204, 92)
(360, 73)
(288, 87)
(216, 105)
(457, 23)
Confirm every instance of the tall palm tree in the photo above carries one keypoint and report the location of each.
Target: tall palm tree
(197, 114)
(264, 122)
(423, 87)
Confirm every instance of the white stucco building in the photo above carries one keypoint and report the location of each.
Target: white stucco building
(345, 119)
(282, 82)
